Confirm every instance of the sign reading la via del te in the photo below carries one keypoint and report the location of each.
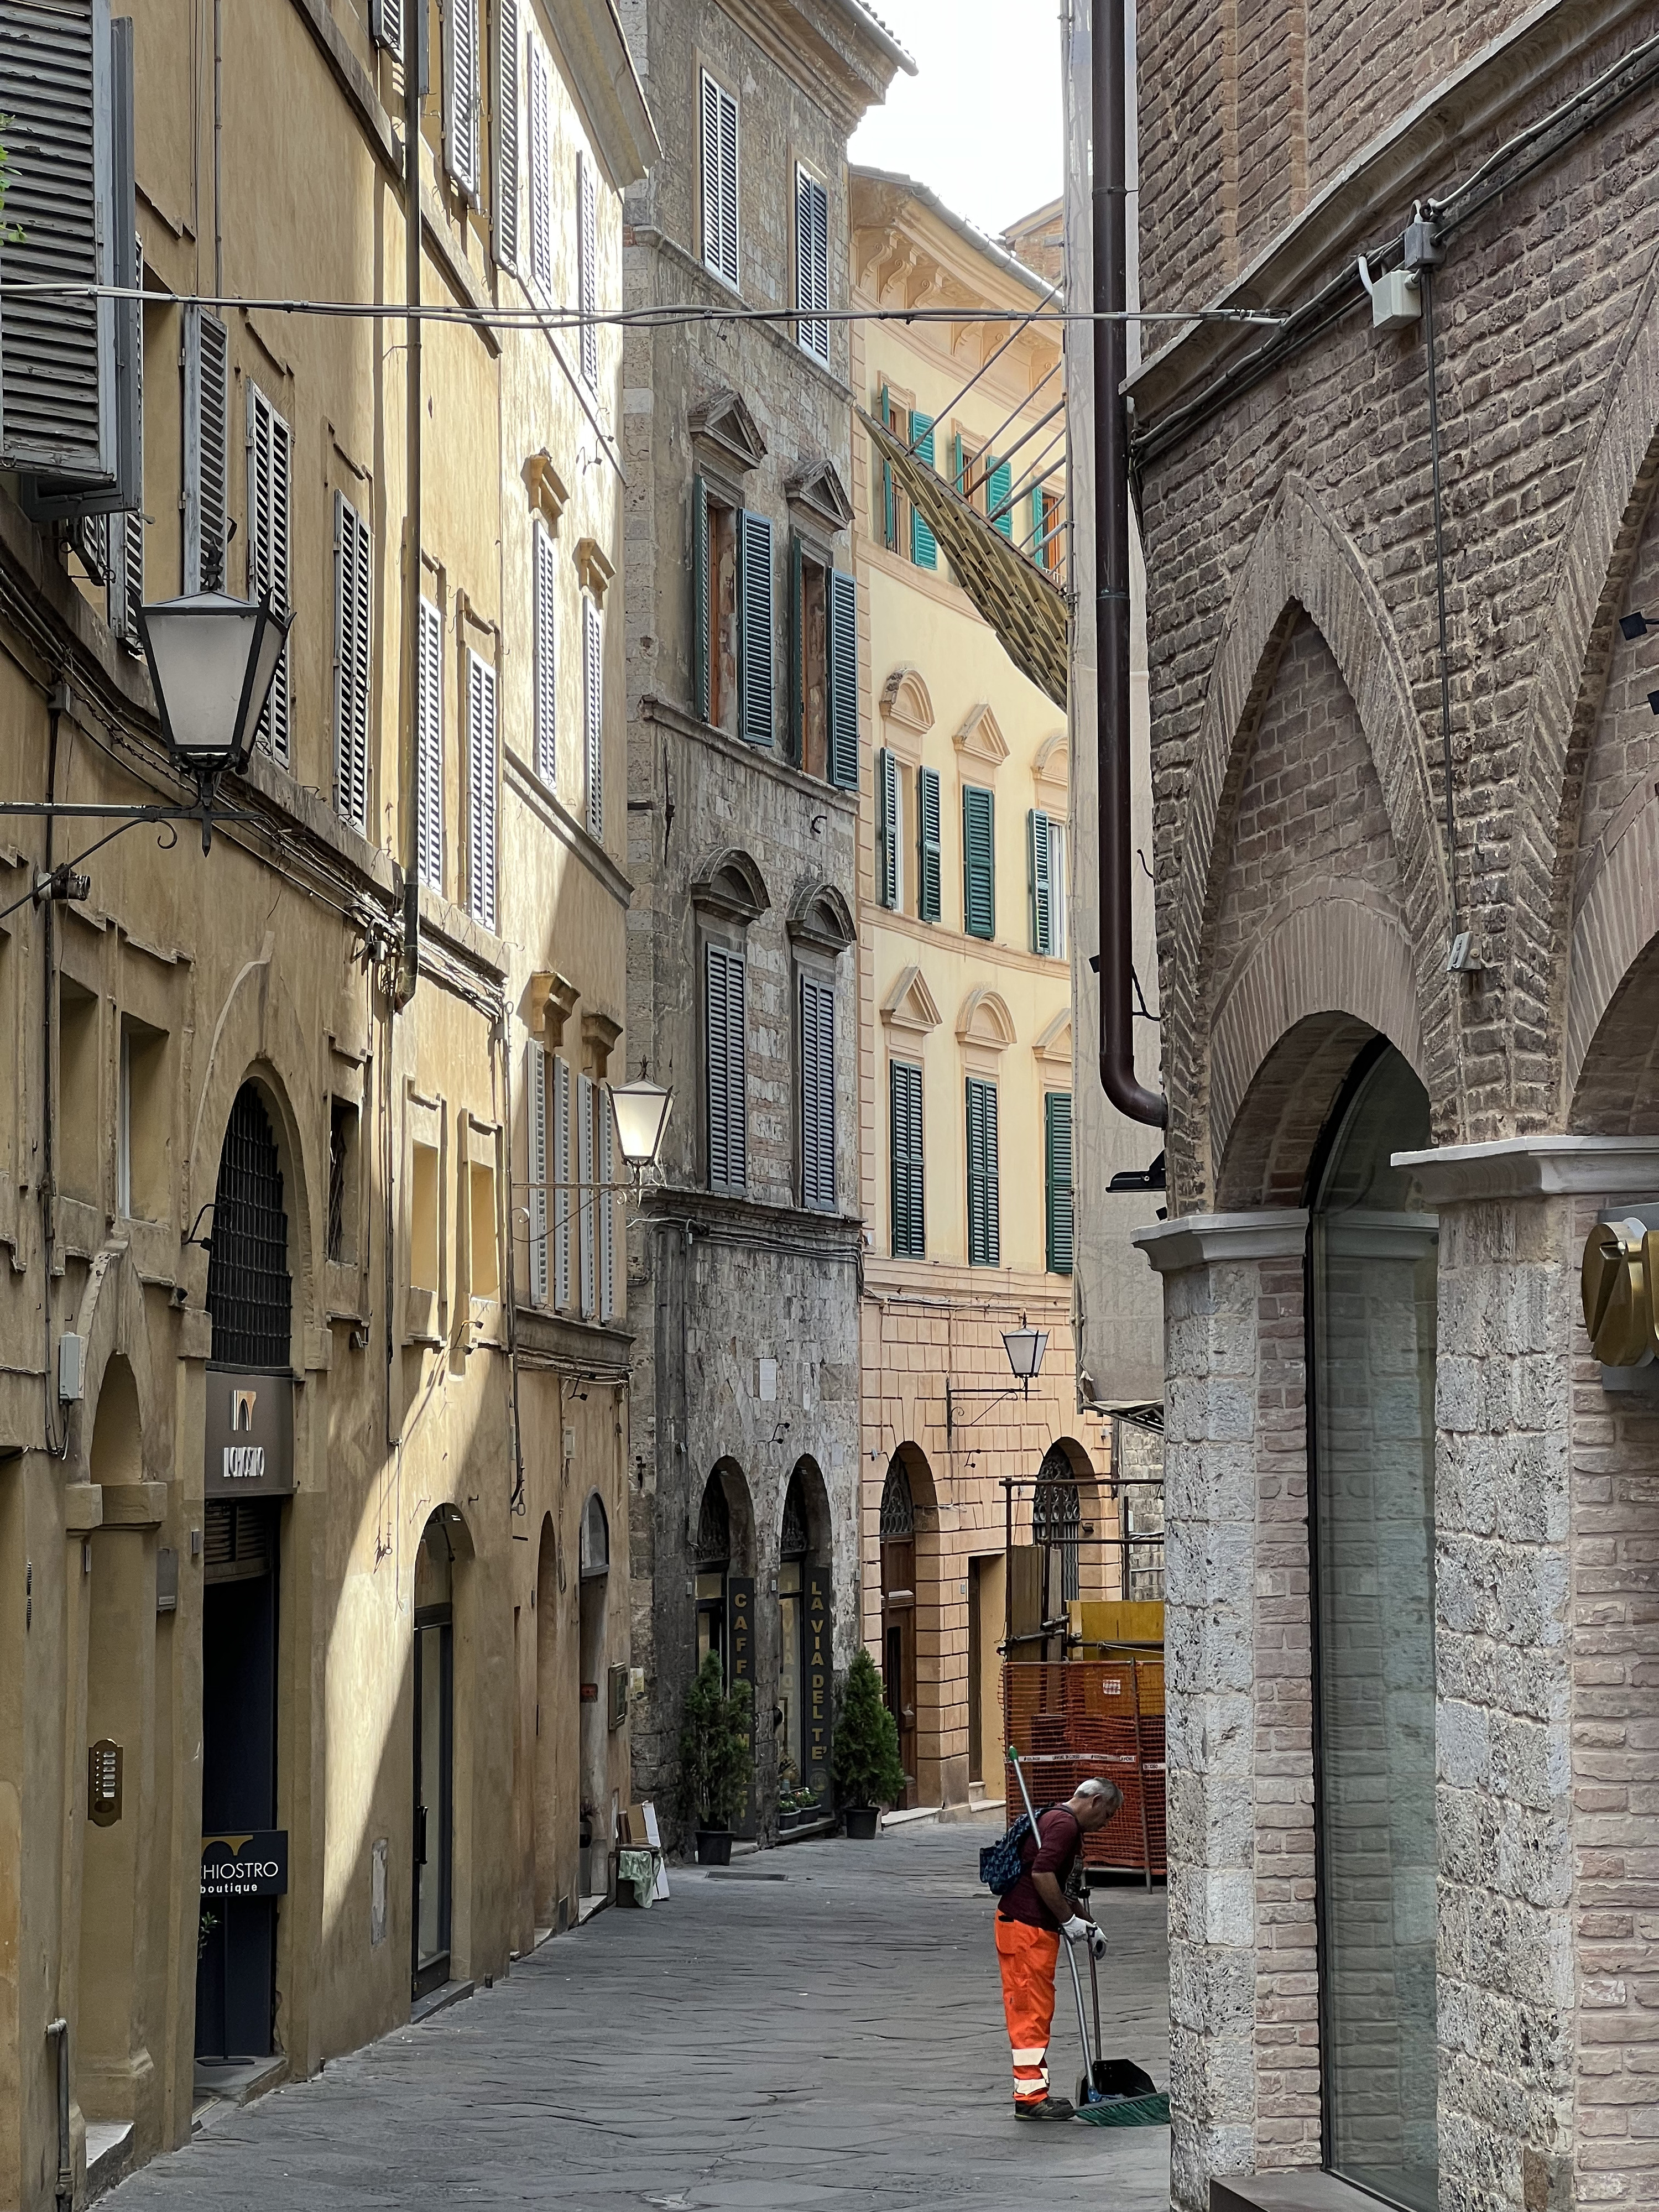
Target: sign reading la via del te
(249, 1435)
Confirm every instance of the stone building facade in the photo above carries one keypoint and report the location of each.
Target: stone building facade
(744, 758)
(307, 1476)
(1407, 1051)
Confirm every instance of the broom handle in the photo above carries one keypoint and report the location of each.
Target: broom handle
(1077, 1980)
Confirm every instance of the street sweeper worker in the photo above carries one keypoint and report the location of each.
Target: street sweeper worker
(1033, 1917)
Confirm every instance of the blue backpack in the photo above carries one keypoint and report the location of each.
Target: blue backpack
(1000, 1865)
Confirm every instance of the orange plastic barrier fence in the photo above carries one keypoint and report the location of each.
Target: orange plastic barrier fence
(1077, 1717)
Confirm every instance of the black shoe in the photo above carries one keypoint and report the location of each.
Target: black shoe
(1051, 2108)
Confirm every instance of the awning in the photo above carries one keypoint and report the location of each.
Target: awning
(1025, 608)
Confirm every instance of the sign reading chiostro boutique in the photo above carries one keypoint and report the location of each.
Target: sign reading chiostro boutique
(250, 1435)
(250, 1865)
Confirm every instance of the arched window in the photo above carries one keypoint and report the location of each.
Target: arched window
(792, 1540)
(248, 1291)
(1057, 1518)
(713, 1558)
(898, 1519)
(595, 1538)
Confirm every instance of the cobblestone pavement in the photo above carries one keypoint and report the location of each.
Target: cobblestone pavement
(816, 2030)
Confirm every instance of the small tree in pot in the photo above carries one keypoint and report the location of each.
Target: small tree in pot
(864, 1758)
(716, 1760)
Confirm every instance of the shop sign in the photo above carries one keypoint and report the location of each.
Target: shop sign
(254, 1865)
(819, 1674)
(740, 1643)
(250, 1435)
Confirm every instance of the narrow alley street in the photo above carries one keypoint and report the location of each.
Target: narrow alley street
(815, 2027)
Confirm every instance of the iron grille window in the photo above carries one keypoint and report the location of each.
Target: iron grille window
(248, 1291)
(338, 1146)
(1057, 1519)
(898, 1518)
(713, 1527)
(791, 1543)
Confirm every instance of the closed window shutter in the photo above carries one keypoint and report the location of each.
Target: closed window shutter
(429, 749)
(924, 546)
(481, 789)
(126, 547)
(813, 263)
(562, 1178)
(909, 1217)
(999, 496)
(928, 871)
(207, 450)
(959, 463)
(536, 1087)
(843, 680)
(887, 827)
(889, 496)
(587, 270)
(818, 1094)
(797, 651)
(593, 716)
(352, 644)
(1038, 858)
(270, 476)
(461, 92)
(755, 683)
(587, 1198)
(545, 584)
(385, 23)
(541, 173)
(607, 1203)
(1056, 888)
(984, 1234)
(700, 686)
(505, 122)
(725, 1058)
(719, 179)
(1057, 1180)
(979, 887)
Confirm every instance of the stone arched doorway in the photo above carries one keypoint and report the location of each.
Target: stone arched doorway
(554, 1796)
(434, 1869)
(724, 1590)
(804, 1611)
(898, 1614)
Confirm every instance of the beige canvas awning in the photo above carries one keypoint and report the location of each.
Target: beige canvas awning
(1027, 611)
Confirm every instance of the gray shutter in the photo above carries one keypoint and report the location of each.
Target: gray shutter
(541, 172)
(429, 749)
(545, 583)
(796, 648)
(754, 684)
(606, 1202)
(1057, 1180)
(725, 1061)
(586, 1197)
(385, 23)
(813, 263)
(270, 479)
(909, 1216)
(353, 639)
(535, 1071)
(979, 889)
(560, 1178)
(481, 789)
(125, 538)
(887, 828)
(587, 270)
(984, 1233)
(593, 716)
(843, 629)
(818, 1094)
(504, 191)
(207, 449)
(701, 693)
(719, 179)
(928, 871)
(1038, 869)
(461, 92)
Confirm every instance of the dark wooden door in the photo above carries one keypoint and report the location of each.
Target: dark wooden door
(898, 1649)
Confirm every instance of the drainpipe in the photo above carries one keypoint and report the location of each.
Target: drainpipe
(1109, 187)
(409, 963)
(58, 2032)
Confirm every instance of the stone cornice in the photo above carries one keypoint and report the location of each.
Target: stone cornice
(1535, 1167)
(1218, 1240)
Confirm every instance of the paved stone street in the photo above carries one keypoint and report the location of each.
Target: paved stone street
(820, 2028)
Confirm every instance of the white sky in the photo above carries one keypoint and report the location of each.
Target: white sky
(981, 121)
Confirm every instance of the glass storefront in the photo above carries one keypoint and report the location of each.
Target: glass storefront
(1371, 1329)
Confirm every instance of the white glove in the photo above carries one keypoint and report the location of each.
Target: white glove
(1076, 1929)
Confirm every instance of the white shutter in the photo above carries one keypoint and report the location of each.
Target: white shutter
(812, 262)
(1057, 888)
(593, 716)
(385, 23)
(461, 92)
(430, 750)
(270, 477)
(607, 1203)
(585, 1194)
(126, 539)
(561, 1173)
(545, 579)
(587, 270)
(541, 173)
(481, 768)
(207, 449)
(505, 122)
(352, 652)
(536, 1093)
(719, 179)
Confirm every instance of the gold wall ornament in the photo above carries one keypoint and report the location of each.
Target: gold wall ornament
(1620, 1259)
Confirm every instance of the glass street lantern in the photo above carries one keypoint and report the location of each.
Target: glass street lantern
(641, 1111)
(212, 661)
(1026, 1347)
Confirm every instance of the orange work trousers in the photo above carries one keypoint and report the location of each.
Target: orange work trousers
(1027, 1957)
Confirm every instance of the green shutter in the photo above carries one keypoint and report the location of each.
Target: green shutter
(756, 693)
(979, 877)
(1036, 524)
(908, 1192)
(959, 462)
(927, 845)
(984, 1226)
(796, 731)
(700, 599)
(1057, 1179)
(1039, 855)
(923, 547)
(999, 496)
(890, 526)
(843, 647)
(887, 827)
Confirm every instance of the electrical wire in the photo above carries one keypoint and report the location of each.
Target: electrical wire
(1002, 459)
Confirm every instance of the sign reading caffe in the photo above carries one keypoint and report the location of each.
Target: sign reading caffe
(250, 1435)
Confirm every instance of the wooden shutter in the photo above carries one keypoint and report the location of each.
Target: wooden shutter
(984, 1233)
(724, 1046)
(887, 827)
(924, 546)
(461, 92)
(909, 1214)
(126, 543)
(535, 1072)
(1040, 880)
(605, 1202)
(541, 172)
(207, 449)
(546, 581)
(813, 263)
(796, 648)
(429, 749)
(504, 192)
(385, 23)
(481, 768)
(843, 629)
(562, 1179)
(928, 871)
(270, 476)
(353, 639)
(700, 612)
(818, 1094)
(586, 1196)
(587, 270)
(889, 496)
(1057, 1180)
(719, 179)
(999, 496)
(593, 716)
(979, 881)
(755, 683)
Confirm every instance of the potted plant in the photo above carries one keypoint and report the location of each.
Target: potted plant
(864, 1757)
(716, 1757)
